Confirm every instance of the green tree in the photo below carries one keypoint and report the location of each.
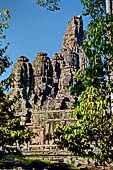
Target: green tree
(91, 135)
(11, 130)
(51, 5)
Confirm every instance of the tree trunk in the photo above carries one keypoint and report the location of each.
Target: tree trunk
(109, 7)
(109, 11)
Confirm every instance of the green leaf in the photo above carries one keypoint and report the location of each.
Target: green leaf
(5, 11)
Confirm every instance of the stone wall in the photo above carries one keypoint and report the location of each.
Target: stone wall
(44, 85)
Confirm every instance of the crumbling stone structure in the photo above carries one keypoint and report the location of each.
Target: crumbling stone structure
(44, 85)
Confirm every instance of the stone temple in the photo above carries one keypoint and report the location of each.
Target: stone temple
(44, 85)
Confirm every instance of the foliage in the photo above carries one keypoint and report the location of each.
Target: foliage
(11, 130)
(91, 135)
(95, 9)
(50, 5)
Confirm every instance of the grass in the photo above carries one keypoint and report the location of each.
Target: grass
(1, 159)
(45, 161)
(22, 159)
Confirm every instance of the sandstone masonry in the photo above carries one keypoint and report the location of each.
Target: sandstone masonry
(44, 85)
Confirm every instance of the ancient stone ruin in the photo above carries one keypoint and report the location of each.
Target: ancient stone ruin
(44, 85)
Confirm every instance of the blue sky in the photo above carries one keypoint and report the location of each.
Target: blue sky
(33, 29)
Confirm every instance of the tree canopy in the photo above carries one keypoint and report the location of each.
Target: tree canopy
(51, 5)
(11, 130)
(91, 134)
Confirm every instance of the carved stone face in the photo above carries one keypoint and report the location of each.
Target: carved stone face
(72, 59)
